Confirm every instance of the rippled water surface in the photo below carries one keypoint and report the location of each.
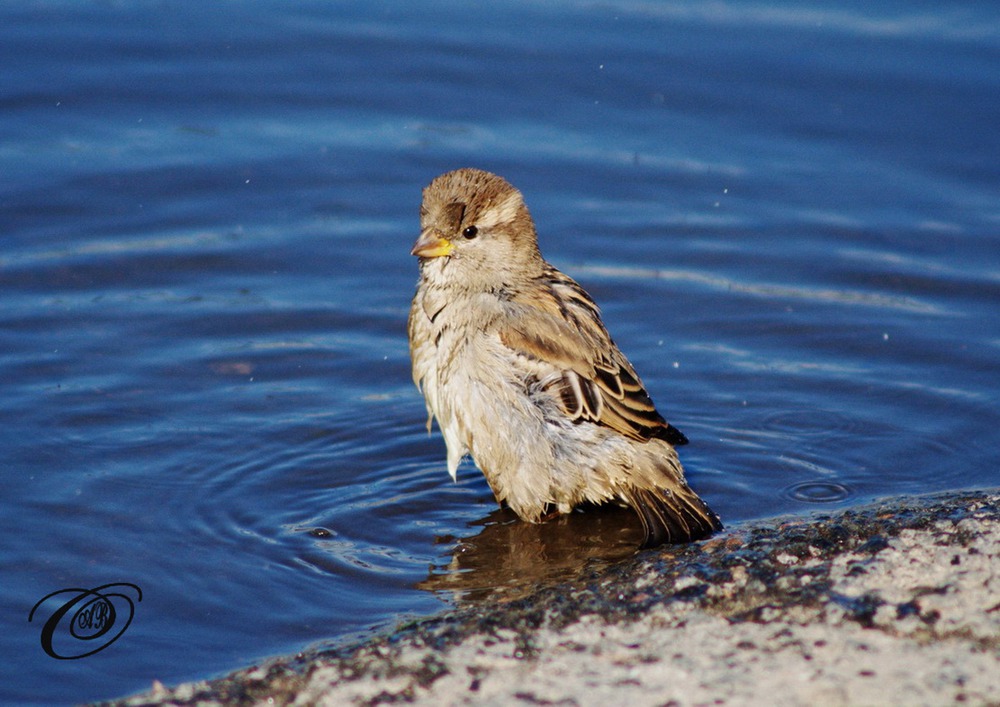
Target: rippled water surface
(789, 212)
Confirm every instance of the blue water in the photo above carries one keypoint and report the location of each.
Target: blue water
(789, 212)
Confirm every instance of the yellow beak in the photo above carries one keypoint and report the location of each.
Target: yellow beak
(431, 245)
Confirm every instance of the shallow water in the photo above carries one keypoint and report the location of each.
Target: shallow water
(789, 213)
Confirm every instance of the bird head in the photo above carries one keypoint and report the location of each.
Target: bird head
(477, 226)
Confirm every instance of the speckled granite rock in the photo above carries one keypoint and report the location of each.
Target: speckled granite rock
(893, 603)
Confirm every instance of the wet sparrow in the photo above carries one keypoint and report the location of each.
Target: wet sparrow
(516, 365)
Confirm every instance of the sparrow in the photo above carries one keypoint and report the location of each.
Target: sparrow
(516, 365)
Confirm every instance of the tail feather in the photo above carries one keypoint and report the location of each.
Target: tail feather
(671, 516)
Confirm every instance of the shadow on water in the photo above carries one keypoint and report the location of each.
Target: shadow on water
(508, 558)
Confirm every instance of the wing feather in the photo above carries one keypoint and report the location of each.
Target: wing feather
(592, 379)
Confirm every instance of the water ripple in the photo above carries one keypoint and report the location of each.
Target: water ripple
(770, 290)
(818, 492)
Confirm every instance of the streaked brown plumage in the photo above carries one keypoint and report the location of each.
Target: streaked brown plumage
(515, 363)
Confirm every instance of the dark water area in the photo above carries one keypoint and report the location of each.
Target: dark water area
(789, 213)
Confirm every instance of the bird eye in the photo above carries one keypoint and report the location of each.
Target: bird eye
(470, 232)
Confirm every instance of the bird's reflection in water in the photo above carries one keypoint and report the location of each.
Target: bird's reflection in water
(508, 557)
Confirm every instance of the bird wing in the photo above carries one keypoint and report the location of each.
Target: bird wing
(558, 326)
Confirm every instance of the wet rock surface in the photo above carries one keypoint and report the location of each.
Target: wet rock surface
(895, 602)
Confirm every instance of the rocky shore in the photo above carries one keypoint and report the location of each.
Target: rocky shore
(897, 602)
